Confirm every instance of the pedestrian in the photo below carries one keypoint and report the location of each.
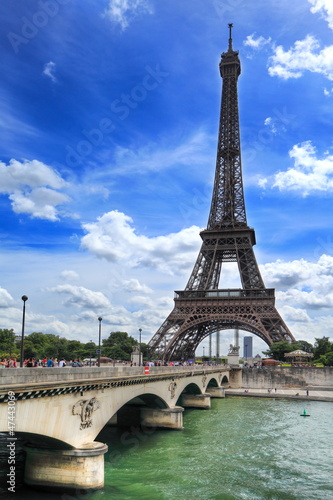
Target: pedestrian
(307, 392)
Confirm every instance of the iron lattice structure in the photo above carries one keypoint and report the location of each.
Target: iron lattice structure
(202, 308)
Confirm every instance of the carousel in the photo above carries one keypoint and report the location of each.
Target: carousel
(298, 357)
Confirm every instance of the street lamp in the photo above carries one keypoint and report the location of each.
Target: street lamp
(203, 353)
(140, 330)
(24, 298)
(99, 340)
(90, 351)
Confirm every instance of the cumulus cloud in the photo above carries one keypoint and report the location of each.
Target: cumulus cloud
(33, 188)
(301, 283)
(69, 275)
(6, 300)
(133, 285)
(256, 43)
(40, 203)
(82, 297)
(113, 238)
(49, 69)
(310, 174)
(305, 55)
(324, 7)
(294, 314)
(123, 12)
(328, 92)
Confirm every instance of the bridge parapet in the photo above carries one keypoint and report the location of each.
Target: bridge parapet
(39, 375)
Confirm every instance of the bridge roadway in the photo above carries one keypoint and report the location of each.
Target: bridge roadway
(60, 411)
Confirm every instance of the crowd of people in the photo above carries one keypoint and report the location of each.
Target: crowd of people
(54, 362)
(35, 363)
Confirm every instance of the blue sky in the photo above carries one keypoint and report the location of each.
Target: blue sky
(109, 116)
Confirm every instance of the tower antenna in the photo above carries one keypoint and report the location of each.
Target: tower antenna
(230, 37)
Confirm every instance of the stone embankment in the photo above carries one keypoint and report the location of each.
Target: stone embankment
(313, 394)
(309, 383)
(288, 377)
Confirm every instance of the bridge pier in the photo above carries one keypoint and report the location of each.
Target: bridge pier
(65, 470)
(216, 392)
(195, 401)
(166, 418)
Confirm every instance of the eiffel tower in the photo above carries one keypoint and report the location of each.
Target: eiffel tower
(203, 308)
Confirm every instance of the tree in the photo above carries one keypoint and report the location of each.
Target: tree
(123, 342)
(328, 359)
(7, 342)
(322, 346)
(278, 349)
(305, 346)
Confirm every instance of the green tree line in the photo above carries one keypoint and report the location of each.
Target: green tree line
(119, 346)
(322, 350)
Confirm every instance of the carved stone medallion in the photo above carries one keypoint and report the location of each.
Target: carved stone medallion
(85, 408)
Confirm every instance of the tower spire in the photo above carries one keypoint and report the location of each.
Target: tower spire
(230, 49)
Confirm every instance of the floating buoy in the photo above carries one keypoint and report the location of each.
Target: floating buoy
(304, 414)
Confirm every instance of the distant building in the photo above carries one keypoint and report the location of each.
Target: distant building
(247, 347)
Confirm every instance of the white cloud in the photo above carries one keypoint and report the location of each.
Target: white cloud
(82, 297)
(303, 290)
(49, 70)
(256, 43)
(69, 275)
(185, 151)
(294, 314)
(113, 237)
(40, 203)
(325, 7)
(123, 12)
(300, 282)
(133, 285)
(31, 186)
(309, 174)
(328, 92)
(6, 300)
(305, 55)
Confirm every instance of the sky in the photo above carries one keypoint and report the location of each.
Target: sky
(109, 113)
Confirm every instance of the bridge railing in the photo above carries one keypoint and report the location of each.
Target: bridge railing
(28, 376)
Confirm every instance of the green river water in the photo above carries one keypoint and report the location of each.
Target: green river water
(242, 448)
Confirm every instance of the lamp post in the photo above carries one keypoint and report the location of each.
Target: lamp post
(90, 352)
(99, 341)
(203, 353)
(24, 298)
(140, 330)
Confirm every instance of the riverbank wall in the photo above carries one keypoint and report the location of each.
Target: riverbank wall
(287, 377)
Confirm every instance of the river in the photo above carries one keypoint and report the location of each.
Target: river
(242, 448)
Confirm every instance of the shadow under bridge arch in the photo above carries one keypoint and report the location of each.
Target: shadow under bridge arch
(129, 414)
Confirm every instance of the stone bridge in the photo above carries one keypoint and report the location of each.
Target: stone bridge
(60, 411)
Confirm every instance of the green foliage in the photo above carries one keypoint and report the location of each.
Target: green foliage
(278, 349)
(7, 343)
(119, 345)
(305, 346)
(321, 347)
